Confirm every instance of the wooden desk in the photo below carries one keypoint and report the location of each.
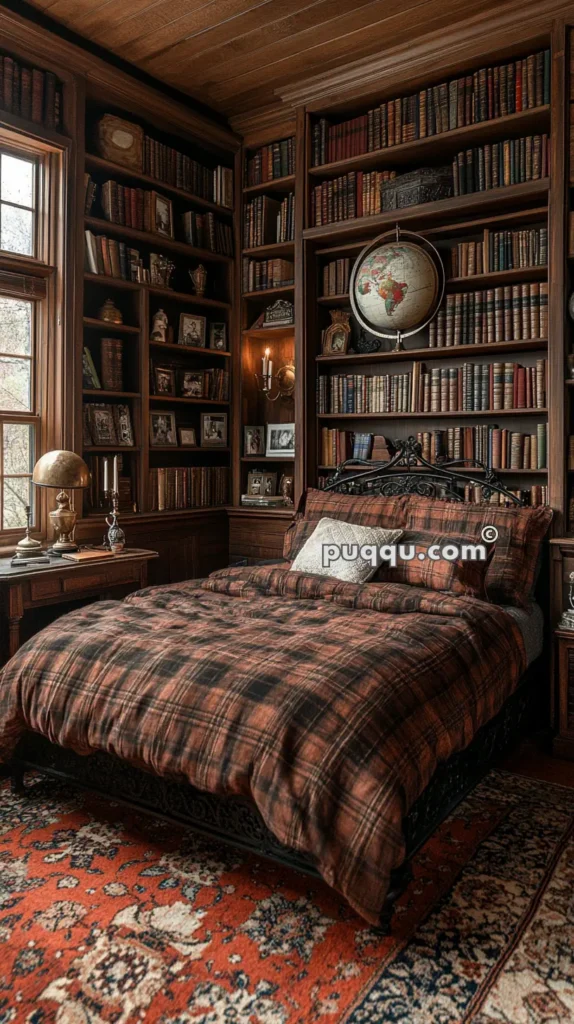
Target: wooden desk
(22, 589)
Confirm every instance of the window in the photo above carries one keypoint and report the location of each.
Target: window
(18, 420)
(17, 203)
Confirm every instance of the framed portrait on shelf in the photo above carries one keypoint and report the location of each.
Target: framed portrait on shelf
(123, 425)
(218, 336)
(102, 426)
(335, 338)
(192, 330)
(164, 381)
(254, 440)
(280, 440)
(269, 485)
(187, 438)
(191, 383)
(255, 483)
(162, 214)
(213, 429)
(162, 428)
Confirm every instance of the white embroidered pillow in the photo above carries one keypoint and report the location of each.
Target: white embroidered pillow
(345, 536)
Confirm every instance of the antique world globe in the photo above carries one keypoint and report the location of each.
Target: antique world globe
(396, 285)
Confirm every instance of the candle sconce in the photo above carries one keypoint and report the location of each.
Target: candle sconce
(282, 382)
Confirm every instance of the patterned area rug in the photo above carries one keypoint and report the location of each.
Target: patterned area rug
(112, 917)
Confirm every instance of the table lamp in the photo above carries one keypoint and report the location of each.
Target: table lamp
(64, 470)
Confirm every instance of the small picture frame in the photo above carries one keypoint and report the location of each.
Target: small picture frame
(269, 485)
(102, 426)
(218, 337)
(213, 430)
(164, 381)
(255, 483)
(123, 425)
(191, 383)
(192, 330)
(187, 437)
(254, 440)
(162, 430)
(335, 338)
(162, 215)
(280, 440)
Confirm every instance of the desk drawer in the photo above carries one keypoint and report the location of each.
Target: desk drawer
(91, 581)
(41, 590)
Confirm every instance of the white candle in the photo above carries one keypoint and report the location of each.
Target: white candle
(106, 480)
(116, 475)
(269, 374)
(265, 362)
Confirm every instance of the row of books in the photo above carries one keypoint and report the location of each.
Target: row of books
(110, 257)
(131, 207)
(336, 277)
(111, 361)
(339, 445)
(489, 93)
(30, 93)
(267, 220)
(535, 495)
(356, 194)
(206, 231)
(472, 387)
(164, 163)
(277, 160)
(260, 274)
(97, 497)
(500, 164)
(500, 250)
(187, 487)
(506, 313)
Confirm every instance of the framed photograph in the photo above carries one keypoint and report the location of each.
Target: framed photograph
(102, 427)
(255, 483)
(192, 330)
(213, 429)
(218, 337)
(162, 215)
(269, 485)
(123, 425)
(280, 440)
(162, 428)
(191, 383)
(164, 381)
(335, 339)
(254, 440)
(187, 438)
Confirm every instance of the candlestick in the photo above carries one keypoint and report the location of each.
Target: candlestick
(116, 475)
(106, 480)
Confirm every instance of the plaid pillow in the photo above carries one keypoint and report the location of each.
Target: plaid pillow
(388, 513)
(466, 578)
(511, 570)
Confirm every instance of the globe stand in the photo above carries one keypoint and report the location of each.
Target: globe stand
(399, 342)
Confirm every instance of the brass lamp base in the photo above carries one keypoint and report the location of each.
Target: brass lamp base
(63, 521)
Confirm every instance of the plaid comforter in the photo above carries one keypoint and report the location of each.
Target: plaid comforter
(328, 704)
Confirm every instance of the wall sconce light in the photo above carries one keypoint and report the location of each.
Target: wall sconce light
(282, 383)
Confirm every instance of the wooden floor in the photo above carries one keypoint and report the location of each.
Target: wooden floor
(532, 759)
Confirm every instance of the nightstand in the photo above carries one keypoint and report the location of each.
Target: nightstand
(25, 589)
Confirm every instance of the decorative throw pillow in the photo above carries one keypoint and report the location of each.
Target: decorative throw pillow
(462, 577)
(347, 538)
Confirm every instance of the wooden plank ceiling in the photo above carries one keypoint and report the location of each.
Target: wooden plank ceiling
(237, 55)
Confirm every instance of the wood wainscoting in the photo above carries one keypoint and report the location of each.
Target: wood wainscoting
(257, 535)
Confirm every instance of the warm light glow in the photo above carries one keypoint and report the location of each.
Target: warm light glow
(268, 352)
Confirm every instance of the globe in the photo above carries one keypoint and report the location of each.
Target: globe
(395, 288)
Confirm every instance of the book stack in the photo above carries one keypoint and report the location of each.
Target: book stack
(497, 448)
(96, 496)
(257, 275)
(472, 387)
(110, 257)
(536, 495)
(174, 168)
(500, 164)
(356, 194)
(339, 445)
(30, 93)
(270, 162)
(489, 93)
(112, 372)
(267, 220)
(205, 231)
(506, 313)
(500, 250)
(336, 277)
(187, 487)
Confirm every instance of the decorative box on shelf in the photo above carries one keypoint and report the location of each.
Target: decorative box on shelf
(414, 188)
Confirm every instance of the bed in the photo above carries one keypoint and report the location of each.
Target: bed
(327, 724)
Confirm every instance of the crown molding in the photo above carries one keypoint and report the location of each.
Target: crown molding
(264, 124)
(514, 22)
(51, 50)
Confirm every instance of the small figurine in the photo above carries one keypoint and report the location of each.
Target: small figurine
(115, 539)
(286, 488)
(159, 326)
(567, 620)
(110, 313)
(199, 279)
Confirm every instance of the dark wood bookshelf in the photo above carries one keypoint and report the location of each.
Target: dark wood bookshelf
(111, 394)
(444, 352)
(193, 350)
(279, 249)
(266, 458)
(159, 241)
(186, 448)
(496, 277)
(428, 415)
(103, 448)
(186, 297)
(187, 401)
(105, 325)
(112, 282)
(97, 163)
(285, 184)
(263, 293)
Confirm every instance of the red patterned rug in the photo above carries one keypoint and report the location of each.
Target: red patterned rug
(111, 917)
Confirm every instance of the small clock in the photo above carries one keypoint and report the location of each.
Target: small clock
(121, 142)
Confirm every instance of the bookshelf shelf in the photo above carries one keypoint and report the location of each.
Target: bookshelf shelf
(108, 227)
(446, 352)
(270, 250)
(525, 122)
(185, 448)
(192, 350)
(264, 293)
(187, 297)
(496, 277)
(357, 467)
(285, 184)
(112, 282)
(264, 458)
(97, 163)
(496, 413)
(187, 401)
(111, 394)
(111, 448)
(105, 325)
(344, 299)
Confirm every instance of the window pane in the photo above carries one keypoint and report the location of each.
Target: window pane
(18, 447)
(16, 230)
(15, 384)
(17, 494)
(17, 181)
(15, 326)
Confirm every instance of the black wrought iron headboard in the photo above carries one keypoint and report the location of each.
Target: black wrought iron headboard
(408, 472)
